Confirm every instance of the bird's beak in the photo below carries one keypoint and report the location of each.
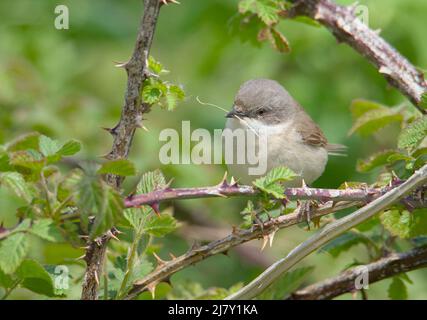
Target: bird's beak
(234, 114)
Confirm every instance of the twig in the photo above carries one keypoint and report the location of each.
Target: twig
(123, 133)
(225, 189)
(387, 267)
(346, 27)
(198, 253)
(328, 233)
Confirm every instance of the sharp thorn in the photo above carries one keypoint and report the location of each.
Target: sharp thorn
(95, 274)
(159, 260)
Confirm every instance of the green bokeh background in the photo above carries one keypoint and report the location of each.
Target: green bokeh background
(63, 83)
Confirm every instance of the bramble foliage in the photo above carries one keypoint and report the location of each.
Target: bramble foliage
(63, 202)
(61, 205)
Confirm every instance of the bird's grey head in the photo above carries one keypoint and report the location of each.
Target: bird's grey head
(265, 100)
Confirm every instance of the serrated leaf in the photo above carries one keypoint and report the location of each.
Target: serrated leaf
(48, 146)
(405, 224)
(151, 94)
(160, 226)
(70, 148)
(271, 182)
(375, 161)
(412, 135)
(359, 107)
(397, 289)
(154, 65)
(151, 181)
(24, 142)
(373, 120)
(46, 229)
(121, 167)
(35, 278)
(13, 250)
(135, 216)
(141, 269)
(16, 183)
(173, 95)
(286, 284)
(267, 11)
(343, 243)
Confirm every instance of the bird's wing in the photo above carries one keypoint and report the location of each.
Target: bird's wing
(310, 133)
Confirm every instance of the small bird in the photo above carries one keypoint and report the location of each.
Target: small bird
(293, 139)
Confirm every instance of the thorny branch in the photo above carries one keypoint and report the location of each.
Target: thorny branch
(387, 267)
(331, 231)
(233, 189)
(346, 27)
(166, 269)
(123, 133)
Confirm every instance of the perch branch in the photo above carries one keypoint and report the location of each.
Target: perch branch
(225, 189)
(165, 269)
(387, 267)
(123, 133)
(346, 27)
(329, 232)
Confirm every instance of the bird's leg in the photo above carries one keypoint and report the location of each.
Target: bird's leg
(305, 208)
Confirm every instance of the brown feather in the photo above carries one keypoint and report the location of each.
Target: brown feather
(309, 130)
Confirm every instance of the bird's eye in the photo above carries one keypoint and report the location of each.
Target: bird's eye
(260, 112)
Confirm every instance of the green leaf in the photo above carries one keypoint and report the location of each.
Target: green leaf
(359, 107)
(154, 65)
(47, 230)
(48, 146)
(375, 161)
(12, 251)
(151, 181)
(405, 224)
(397, 289)
(151, 94)
(373, 120)
(29, 159)
(412, 135)
(160, 226)
(174, 94)
(271, 182)
(6, 281)
(16, 183)
(267, 12)
(121, 167)
(97, 198)
(70, 148)
(423, 103)
(35, 278)
(286, 284)
(246, 5)
(343, 243)
(141, 269)
(24, 142)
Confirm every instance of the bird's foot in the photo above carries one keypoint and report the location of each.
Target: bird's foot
(305, 211)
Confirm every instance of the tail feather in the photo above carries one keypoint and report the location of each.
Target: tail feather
(336, 149)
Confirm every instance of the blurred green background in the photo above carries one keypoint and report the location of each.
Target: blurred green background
(63, 83)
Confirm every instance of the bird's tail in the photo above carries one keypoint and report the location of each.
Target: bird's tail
(336, 149)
